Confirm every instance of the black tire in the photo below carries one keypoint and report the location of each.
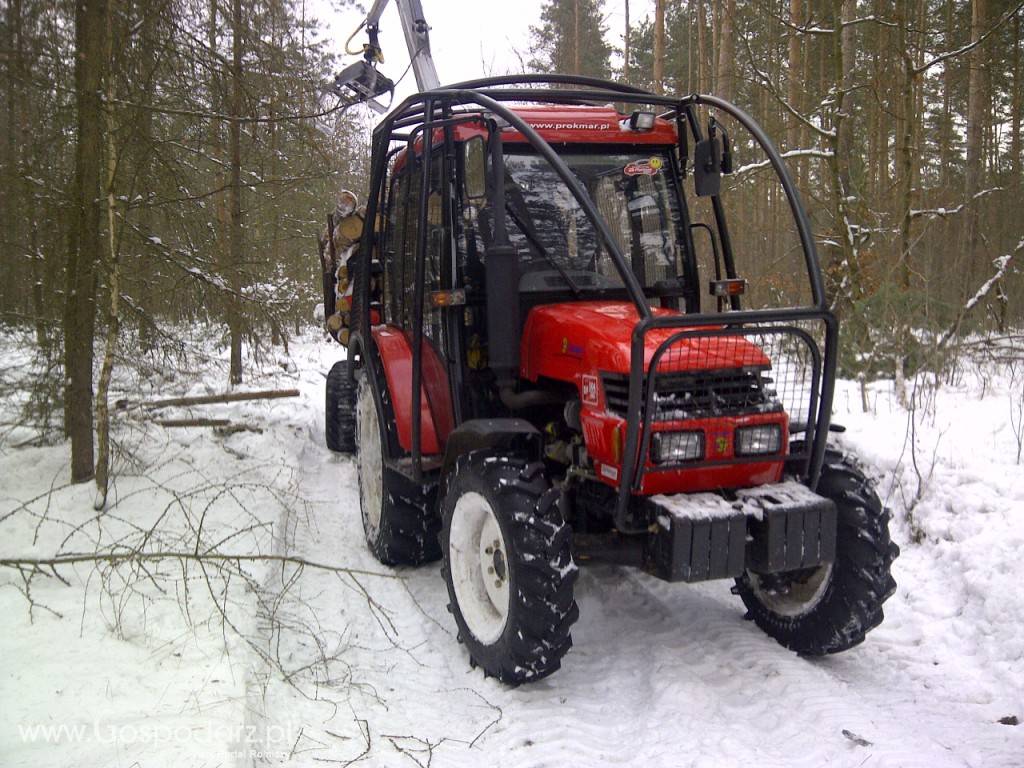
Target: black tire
(340, 410)
(401, 524)
(831, 608)
(539, 567)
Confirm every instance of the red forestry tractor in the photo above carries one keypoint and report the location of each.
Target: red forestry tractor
(542, 372)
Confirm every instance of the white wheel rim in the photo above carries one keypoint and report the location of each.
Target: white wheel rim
(478, 559)
(371, 467)
(801, 598)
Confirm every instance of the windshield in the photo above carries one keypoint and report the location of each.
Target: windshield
(557, 244)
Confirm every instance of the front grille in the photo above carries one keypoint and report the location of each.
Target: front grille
(698, 394)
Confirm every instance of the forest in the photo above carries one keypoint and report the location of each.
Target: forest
(191, 570)
(171, 162)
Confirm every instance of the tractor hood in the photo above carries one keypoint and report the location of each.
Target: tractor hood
(564, 341)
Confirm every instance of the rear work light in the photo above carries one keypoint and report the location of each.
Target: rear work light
(736, 286)
(641, 121)
(674, 447)
(758, 441)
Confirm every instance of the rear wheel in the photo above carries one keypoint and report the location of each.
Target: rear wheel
(508, 567)
(340, 409)
(830, 608)
(398, 530)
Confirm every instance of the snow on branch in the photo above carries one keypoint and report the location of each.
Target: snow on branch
(807, 29)
(821, 153)
(970, 46)
(766, 81)
(933, 213)
(1002, 265)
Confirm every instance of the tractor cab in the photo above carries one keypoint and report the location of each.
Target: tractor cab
(560, 351)
(537, 244)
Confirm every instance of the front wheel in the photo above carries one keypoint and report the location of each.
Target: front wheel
(831, 607)
(508, 567)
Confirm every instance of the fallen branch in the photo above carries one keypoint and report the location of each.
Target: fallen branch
(48, 565)
(227, 397)
(192, 422)
(231, 429)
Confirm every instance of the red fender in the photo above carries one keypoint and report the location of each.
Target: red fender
(436, 417)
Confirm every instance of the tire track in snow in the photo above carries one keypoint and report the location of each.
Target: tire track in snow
(660, 675)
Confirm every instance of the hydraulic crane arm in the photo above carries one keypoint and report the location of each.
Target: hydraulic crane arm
(361, 82)
(417, 39)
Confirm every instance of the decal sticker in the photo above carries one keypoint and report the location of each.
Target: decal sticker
(589, 389)
(568, 348)
(607, 470)
(649, 167)
(574, 126)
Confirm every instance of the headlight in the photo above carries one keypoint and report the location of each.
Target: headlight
(758, 441)
(672, 447)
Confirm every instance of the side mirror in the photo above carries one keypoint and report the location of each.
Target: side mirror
(707, 172)
(474, 177)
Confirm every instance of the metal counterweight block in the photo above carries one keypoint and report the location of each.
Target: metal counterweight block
(779, 527)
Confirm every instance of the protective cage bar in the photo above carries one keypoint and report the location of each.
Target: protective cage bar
(487, 97)
(772, 369)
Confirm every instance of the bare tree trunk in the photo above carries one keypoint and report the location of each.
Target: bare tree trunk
(8, 186)
(839, 162)
(946, 132)
(19, 202)
(114, 287)
(1015, 144)
(906, 151)
(690, 37)
(149, 269)
(85, 240)
(727, 52)
(716, 39)
(235, 193)
(844, 82)
(576, 64)
(702, 80)
(625, 46)
(874, 141)
(976, 111)
(659, 46)
(794, 81)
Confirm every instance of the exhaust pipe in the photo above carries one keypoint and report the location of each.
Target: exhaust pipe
(502, 281)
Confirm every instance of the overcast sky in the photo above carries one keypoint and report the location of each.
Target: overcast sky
(469, 38)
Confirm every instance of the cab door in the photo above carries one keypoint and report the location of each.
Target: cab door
(407, 216)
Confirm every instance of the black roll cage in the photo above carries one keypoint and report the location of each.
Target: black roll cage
(426, 111)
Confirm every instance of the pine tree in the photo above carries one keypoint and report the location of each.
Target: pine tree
(571, 39)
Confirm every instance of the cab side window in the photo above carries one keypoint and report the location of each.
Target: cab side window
(403, 225)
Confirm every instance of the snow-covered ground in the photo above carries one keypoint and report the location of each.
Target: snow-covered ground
(333, 667)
